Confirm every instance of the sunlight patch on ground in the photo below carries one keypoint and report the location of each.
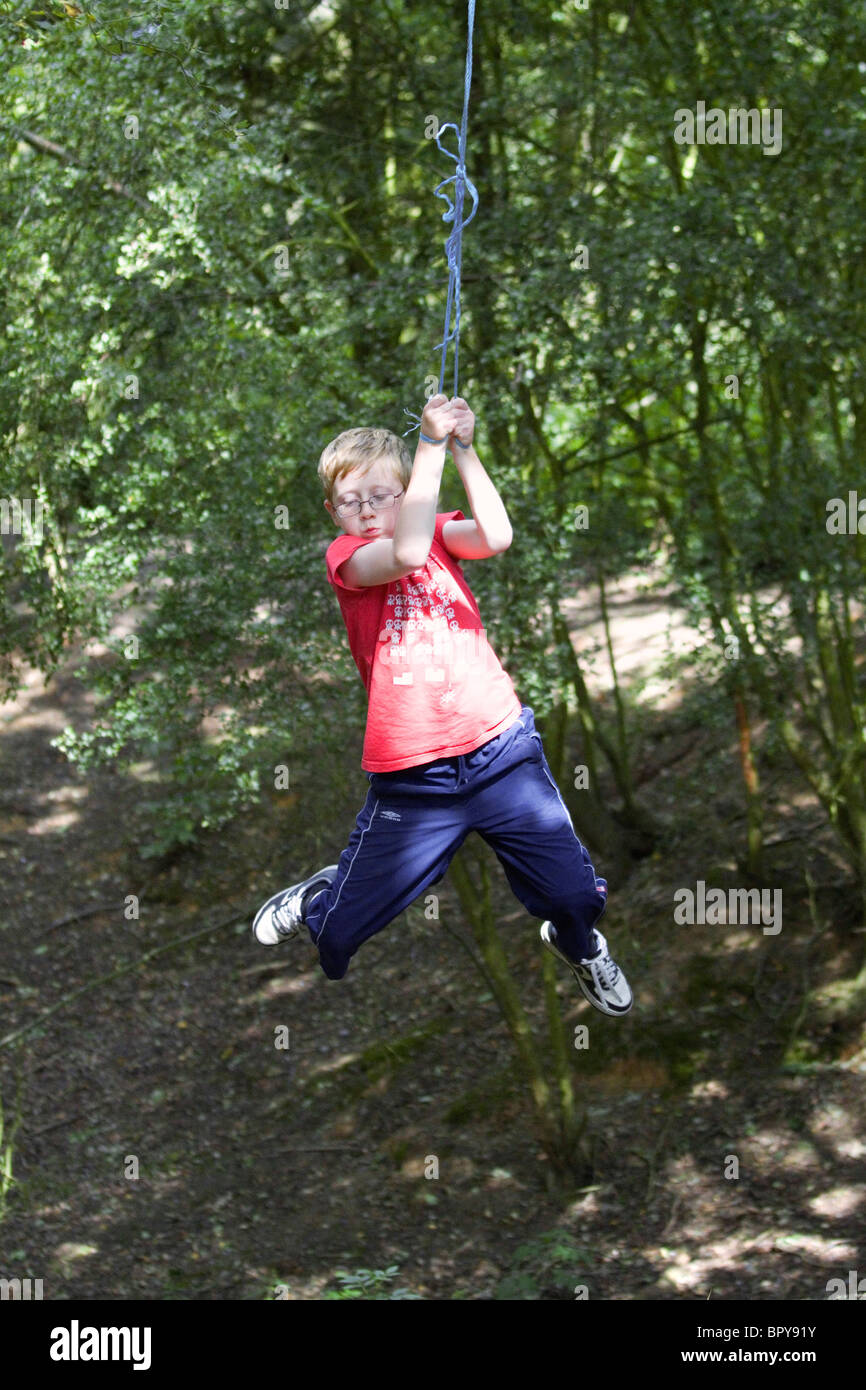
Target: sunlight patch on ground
(23, 712)
(277, 988)
(212, 724)
(839, 1201)
(343, 1059)
(821, 1249)
(37, 719)
(33, 686)
(649, 626)
(768, 1150)
(687, 1273)
(70, 1251)
(709, 1090)
(58, 820)
(736, 942)
(63, 817)
(646, 630)
(145, 771)
(834, 1125)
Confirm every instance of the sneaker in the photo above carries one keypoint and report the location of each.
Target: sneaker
(281, 917)
(599, 977)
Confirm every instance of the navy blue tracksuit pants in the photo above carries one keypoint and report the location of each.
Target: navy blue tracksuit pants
(413, 822)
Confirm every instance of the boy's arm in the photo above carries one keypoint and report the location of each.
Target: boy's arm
(413, 529)
(489, 533)
(380, 561)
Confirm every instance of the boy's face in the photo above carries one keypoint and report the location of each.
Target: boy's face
(357, 485)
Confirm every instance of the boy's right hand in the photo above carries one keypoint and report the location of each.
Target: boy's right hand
(439, 417)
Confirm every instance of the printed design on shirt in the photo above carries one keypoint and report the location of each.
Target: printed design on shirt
(423, 639)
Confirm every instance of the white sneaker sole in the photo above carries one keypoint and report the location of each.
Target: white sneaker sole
(264, 929)
(546, 934)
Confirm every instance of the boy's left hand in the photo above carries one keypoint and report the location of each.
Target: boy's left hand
(464, 429)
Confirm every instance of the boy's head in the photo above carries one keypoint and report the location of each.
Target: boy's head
(359, 464)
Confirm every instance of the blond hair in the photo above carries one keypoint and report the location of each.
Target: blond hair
(361, 448)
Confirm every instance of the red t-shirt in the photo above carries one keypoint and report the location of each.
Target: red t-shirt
(435, 686)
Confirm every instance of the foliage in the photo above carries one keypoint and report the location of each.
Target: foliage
(7, 1148)
(551, 1261)
(369, 1284)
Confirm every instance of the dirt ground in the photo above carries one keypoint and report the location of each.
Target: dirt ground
(168, 1150)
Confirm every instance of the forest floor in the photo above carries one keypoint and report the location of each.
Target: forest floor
(166, 1148)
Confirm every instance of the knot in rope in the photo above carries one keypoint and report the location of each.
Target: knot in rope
(454, 213)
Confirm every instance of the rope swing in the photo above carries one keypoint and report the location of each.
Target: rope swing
(454, 213)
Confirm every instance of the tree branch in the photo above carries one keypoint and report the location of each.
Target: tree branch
(38, 142)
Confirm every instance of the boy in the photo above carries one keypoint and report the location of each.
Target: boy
(448, 746)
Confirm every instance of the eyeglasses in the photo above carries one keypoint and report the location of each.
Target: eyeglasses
(379, 501)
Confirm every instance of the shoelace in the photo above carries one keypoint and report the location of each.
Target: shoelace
(605, 970)
(283, 915)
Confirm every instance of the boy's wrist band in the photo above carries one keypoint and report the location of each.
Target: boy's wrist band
(428, 440)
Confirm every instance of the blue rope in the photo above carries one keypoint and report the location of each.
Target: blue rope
(454, 213)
